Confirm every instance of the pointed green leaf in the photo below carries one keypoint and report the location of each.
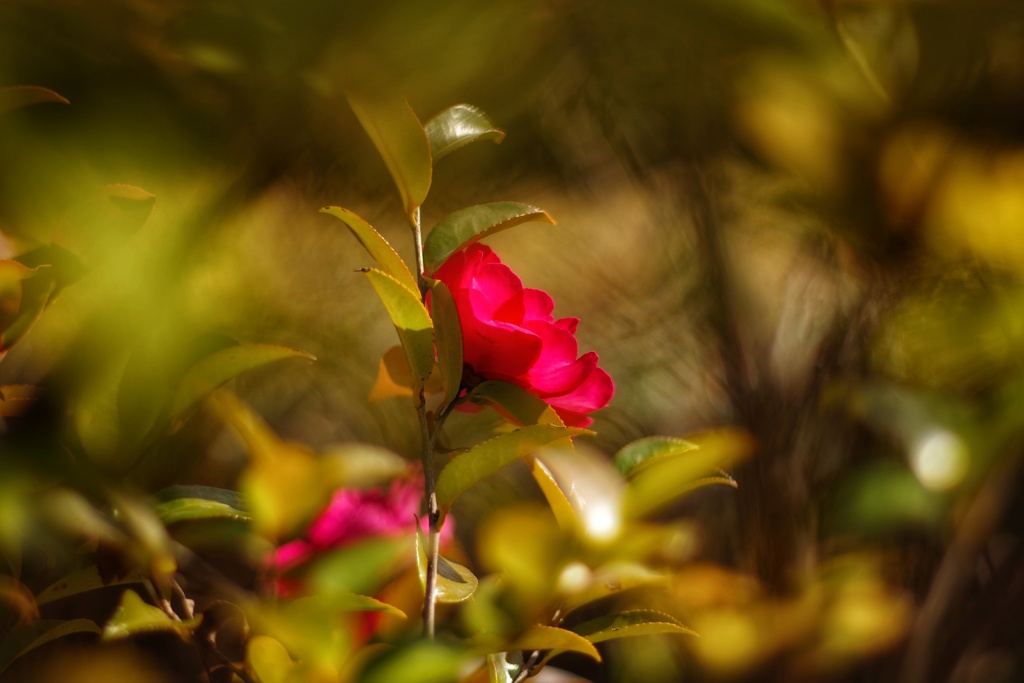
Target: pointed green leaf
(629, 624)
(415, 329)
(455, 583)
(381, 251)
(24, 638)
(485, 459)
(646, 451)
(191, 509)
(269, 659)
(457, 127)
(472, 224)
(133, 616)
(82, 581)
(539, 637)
(17, 96)
(667, 478)
(402, 143)
(449, 340)
(223, 365)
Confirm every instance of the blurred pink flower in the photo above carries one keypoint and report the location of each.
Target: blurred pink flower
(509, 334)
(355, 514)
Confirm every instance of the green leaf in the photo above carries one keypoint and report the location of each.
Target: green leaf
(415, 329)
(363, 567)
(485, 459)
(539, 637)
(191, 509)
(455, 583)
(514, 403)
(422, 661)
(82, 581)
(457, 127)
(24, 638)
(629, 624)
(668, 477)
(448, 331)
(402, 143)
(472, 224)
(268, 659)
(646, 451)
(18, 96)
(381, 251)
(134, 616)
(223, 365)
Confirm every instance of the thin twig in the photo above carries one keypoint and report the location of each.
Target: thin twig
(433, 514)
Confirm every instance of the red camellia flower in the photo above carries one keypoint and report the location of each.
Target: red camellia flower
(509, 334)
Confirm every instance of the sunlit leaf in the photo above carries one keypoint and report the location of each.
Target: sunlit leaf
(17, 96)
(515, 403)
(539, 637)
(411, 319)
(485, 459)
(629, 624)
(192, 509)
(557, 500)
(401, 142)
(268, 659)
(473, 224)
(381, 251)
(24, 638)
(223, 365)
(455, 583)
(647, 451)
(589, 484)
(448, 331)
(672, 476)
(134, 616)
(457, 127)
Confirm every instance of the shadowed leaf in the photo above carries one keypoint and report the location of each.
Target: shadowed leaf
(485, 459)
(448, 332)
(24, 638)
(472, 224)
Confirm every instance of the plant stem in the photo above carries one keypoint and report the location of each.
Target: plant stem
(433, 515)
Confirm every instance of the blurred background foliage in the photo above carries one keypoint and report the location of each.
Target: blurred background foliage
(801, 219)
